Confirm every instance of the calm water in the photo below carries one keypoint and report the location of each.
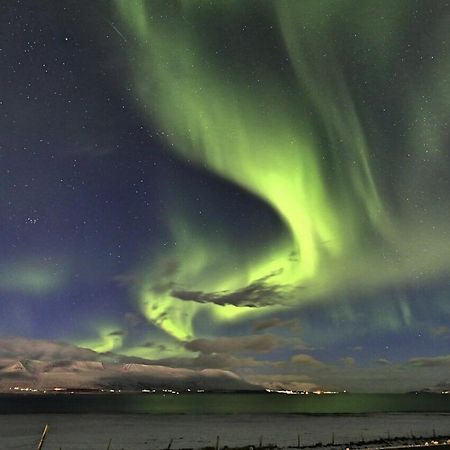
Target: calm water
(194, 404)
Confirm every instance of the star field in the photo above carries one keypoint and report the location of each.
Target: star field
(258, 187)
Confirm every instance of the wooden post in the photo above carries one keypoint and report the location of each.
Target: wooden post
(170, 444)
(260, 441)
(217, 442)
(332, 438)
(109, 444)
(44, 435)
(298, 440)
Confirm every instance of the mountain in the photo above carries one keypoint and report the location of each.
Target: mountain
(15, 367)
(43, 365)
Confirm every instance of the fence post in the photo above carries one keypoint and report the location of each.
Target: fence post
(44, 435)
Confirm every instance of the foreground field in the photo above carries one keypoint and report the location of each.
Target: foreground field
(145, 431)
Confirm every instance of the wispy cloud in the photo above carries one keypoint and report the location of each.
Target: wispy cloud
(258, 293)
(434, 361)
(276, 322)
(259, 343)
(305, 360)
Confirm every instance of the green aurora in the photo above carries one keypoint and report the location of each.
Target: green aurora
(295, 137)
(253, 186)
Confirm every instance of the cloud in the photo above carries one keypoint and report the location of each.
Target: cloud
(95, 375)
(305, 359)
(129, 279)
(133, 319)
(292, 382)
(435, 361)
(155, 376)
(348, 361)
(441, 386)
(225, 361)
(276, 322)
(254, 343)
(49, 363)
(258, 293)
(440, 331)
(155, 345)
(117, 333)
(215, 361)
(43, 350)
(383, 362)
(22, 349)
(44, 364)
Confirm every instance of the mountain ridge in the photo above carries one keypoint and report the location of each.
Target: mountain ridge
(96, 375)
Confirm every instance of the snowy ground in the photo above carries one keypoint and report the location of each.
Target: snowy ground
(143, 432)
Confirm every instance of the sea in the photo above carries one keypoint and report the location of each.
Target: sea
(194, 421)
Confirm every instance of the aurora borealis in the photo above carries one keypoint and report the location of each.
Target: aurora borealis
(258, 186)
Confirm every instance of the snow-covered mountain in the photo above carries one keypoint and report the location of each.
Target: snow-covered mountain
(55, 368)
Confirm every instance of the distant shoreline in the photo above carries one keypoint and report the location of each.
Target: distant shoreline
(216, 403)
(76, 391)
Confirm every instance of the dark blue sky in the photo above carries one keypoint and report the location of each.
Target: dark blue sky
(176, 180)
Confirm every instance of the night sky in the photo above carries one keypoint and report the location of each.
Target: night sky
(251, 185)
